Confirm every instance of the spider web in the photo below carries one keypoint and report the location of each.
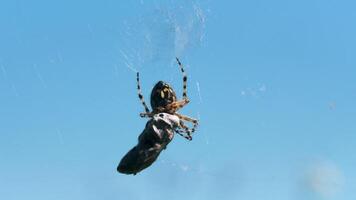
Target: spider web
(153, 40)
(159, 35)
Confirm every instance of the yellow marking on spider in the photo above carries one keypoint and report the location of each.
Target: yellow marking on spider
(162, 94)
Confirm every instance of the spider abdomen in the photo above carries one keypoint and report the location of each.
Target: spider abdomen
(162, 94)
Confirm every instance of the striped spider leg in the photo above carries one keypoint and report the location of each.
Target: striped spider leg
(184, 80)
(147, 112)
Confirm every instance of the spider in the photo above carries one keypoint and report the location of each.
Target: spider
(164, 100)
(159, 130)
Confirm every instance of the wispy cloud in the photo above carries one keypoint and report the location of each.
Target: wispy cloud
(325, 179)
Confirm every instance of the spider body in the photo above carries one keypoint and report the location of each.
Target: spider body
(162, 95)
(159, 131)
(164, 100)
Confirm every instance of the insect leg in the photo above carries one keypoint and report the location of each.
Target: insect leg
(140, 96)
(186, 118)
(145, 114)
(185, 130)
(188, 137)
(184, 79)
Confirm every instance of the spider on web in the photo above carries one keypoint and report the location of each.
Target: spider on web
(164, 100)
(159, 131)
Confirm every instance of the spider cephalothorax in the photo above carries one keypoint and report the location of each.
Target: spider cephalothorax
(162, 95)
(164, 100)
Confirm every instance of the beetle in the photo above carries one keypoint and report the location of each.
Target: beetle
(158, 133)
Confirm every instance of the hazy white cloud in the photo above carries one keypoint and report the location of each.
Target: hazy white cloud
(325, 179)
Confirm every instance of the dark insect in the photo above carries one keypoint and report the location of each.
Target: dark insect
(159, 131)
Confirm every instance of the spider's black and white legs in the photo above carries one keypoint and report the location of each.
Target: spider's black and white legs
(184, 80)
(179, 104)
(140, 96)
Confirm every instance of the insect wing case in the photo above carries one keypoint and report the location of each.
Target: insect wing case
(158, 133)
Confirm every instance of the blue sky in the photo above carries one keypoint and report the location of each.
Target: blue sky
(272, 82)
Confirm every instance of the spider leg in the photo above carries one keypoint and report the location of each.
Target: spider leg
(177, 105)
(184, 79)
(140, 96)
(186, 118)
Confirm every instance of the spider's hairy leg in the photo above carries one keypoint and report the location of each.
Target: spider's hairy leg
(186, 118)
(140, 96)
(184, 79)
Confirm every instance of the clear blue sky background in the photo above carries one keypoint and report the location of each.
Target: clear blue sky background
(273, 83)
